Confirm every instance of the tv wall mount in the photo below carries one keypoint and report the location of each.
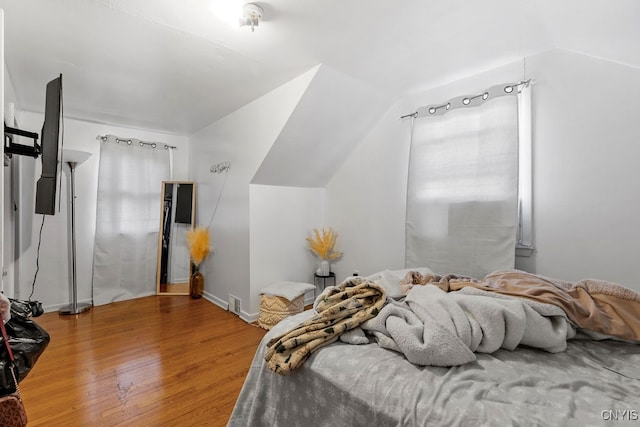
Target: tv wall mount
(11, 147)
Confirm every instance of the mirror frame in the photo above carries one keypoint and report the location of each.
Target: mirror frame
(160, 232)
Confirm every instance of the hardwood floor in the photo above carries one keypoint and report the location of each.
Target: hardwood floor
(161, 360)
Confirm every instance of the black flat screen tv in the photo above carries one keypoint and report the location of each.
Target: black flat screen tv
(46, 188)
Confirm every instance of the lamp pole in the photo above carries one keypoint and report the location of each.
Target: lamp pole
(73, 307)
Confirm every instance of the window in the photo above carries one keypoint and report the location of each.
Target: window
(469, 188)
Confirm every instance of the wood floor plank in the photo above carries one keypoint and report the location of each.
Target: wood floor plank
(160, 360)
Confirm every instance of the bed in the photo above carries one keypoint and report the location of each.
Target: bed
(591, 382)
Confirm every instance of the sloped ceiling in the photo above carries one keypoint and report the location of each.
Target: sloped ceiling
(169, 65)
(328, 121)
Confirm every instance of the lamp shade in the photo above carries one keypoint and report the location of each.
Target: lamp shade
(74, 156)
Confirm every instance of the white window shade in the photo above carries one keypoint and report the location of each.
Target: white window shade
(462, 201)
(127, 220)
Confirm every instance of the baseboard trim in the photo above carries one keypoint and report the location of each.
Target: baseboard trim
(247, 317)
(217, 301)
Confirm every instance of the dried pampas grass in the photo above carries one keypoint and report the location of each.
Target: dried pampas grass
(322, 244)
(198, 242)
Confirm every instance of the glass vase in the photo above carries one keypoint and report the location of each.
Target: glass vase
(196, 284)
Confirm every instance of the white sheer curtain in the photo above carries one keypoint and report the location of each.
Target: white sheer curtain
(462, 189)
(127, 219)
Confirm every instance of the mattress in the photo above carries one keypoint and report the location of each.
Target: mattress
(591, 383)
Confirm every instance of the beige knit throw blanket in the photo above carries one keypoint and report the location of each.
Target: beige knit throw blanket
(340, 309)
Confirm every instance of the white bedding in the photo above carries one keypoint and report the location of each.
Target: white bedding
(433, 327)
(505, 382)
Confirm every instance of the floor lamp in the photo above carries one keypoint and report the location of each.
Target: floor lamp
(70, 160)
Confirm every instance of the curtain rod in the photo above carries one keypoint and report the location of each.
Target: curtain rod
(468, 100)
(129, 141)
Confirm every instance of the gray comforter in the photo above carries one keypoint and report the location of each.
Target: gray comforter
(590, 383)
(437, 328)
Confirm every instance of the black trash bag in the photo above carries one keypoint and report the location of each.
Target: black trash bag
(25, 309)
(27, 340)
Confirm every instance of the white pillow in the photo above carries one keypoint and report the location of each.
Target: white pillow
(288, 290)
(390, 279)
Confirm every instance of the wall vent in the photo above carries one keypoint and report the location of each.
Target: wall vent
(234, 304)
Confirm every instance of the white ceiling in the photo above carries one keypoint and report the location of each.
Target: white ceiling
(170, 65)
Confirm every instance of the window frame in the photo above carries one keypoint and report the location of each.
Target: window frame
(524, 238)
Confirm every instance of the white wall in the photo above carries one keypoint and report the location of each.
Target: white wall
(243, 138)
(8, 244)
(586, 198)
(52, 286)
(15, 193)
(586, 175)
(2, 175)
(280, 220)
(366, 199)
(326, 125)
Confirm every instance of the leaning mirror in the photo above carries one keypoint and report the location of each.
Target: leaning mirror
(178, 203)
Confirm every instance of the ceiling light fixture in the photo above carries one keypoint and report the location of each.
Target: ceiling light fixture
(237, 14)
(251, 15)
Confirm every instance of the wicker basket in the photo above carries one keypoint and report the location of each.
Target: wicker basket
(273, 309)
